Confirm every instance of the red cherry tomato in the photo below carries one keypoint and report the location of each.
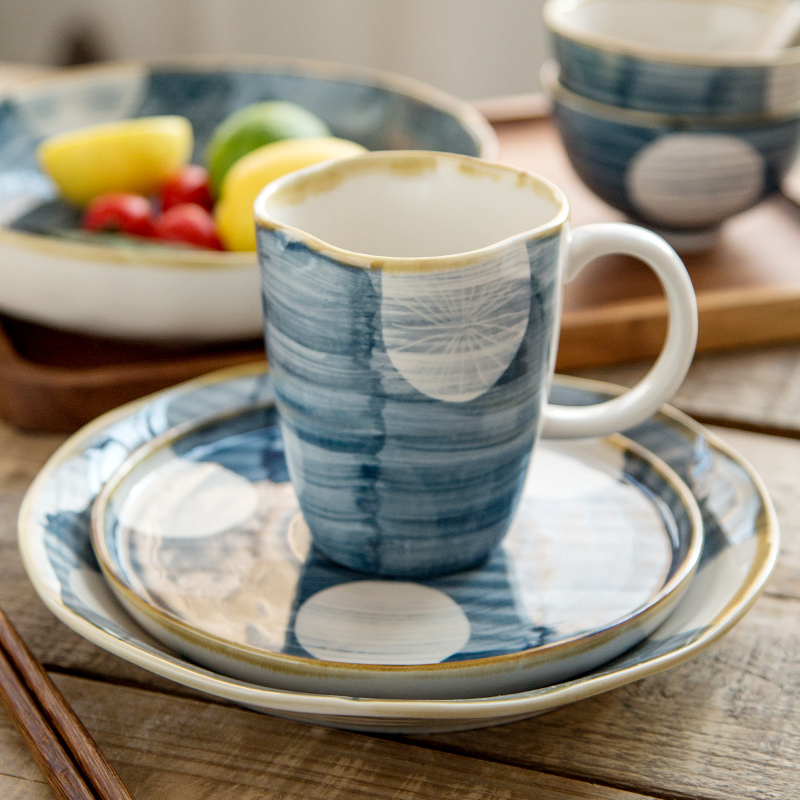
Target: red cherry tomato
(120, 213)
(188, 223)
(189, 184)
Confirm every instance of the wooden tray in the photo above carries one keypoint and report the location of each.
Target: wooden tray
(748, 292)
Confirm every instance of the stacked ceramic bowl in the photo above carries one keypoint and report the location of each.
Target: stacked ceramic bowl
(680, 113)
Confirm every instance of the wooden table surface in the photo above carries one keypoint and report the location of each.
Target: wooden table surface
(724, 725)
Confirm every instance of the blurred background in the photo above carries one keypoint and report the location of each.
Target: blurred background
(471, 48)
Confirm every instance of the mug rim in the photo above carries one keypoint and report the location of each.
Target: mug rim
(377, 159)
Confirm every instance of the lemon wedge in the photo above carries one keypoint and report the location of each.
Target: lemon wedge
(251, 173)
(135, 155)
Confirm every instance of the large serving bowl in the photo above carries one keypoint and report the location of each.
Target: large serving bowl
(682, 175)
(50, 275)
(675, 56)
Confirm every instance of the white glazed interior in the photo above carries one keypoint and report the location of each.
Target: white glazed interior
(411, 205)
(720, 27)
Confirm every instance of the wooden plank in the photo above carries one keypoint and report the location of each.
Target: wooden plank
(725, 725)
(511, 108)
(12, 788)
(758, 389)
(168, 748)
(20, 777)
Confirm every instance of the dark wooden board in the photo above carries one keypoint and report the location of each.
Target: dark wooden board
(56, 381)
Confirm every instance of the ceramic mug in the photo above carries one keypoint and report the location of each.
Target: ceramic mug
(412, 304)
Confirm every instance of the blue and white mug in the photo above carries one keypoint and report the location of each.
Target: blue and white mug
(412, 304)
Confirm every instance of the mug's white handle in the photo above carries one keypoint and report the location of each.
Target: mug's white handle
(662, 381)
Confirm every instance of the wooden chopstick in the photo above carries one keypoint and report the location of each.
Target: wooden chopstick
(46, 747)
(73, 764)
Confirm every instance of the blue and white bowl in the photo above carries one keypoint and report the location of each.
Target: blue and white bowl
(676, 174)
(50, 275)
(675, 56)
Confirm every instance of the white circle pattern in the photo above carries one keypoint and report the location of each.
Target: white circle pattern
(381, 622)
(695, 180)
(452, 334)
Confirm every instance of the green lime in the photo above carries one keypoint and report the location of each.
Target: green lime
(254, 126)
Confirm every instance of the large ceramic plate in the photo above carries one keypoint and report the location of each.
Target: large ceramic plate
(740, 545)
(201, 539)
(50, 275)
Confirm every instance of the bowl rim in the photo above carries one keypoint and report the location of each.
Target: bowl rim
(473, 122)
(556, 18)
(558, 93)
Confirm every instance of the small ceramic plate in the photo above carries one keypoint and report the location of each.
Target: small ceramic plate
(200, 537)
(740, 544)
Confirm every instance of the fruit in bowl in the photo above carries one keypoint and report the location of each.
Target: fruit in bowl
(136, 155)
(55, 273)
(256, 125)
(251, 173)
(111, 168)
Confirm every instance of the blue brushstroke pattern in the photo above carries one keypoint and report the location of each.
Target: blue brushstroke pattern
(601, 150)
(651, 85)
(392, 481)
